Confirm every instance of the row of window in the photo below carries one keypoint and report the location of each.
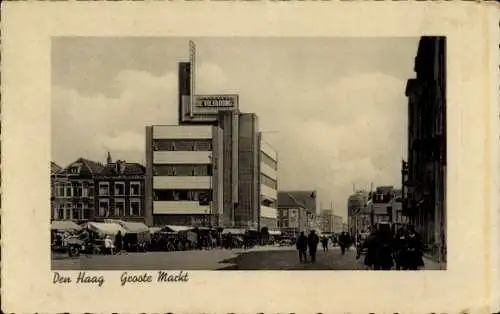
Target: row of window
(73, 190)
(273, 184)
(182, 170)
(385, 198)
(119, 188)
(180, 195)
(182, 145)
(268, 161)
(84, 211)
(119, 209)
(78, 211)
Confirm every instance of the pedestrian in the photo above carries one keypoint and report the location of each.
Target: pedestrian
(108, 245)
(118, 242)
(384, 248)
(301, 245)
(312, 242)
(414, 250)
(400, 249)
(371, 250)
(343, 242)
(85, 237)
(324, 242)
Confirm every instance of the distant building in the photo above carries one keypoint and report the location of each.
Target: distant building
(296, 211)
(396, 205)
(337, 223)
(120, 191)
(358, 214)
(268, 185)
(326, 220)
(379, 205)
(73, 189)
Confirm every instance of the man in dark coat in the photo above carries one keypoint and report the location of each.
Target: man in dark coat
(302, 247)
(119, 242)
(324, 242)
(312, 242)
(414, 250)
(384, 260)
(344, 241)
(371, 249)
(400, 249)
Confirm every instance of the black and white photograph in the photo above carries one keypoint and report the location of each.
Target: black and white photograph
(248, 153)
(249, 157)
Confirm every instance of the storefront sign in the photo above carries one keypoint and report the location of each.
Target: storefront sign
(216, 101)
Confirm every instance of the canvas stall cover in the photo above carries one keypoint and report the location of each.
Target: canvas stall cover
(64, 225)
(104, 228)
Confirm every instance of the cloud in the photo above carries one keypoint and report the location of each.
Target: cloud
(352, 131)
(349, 131)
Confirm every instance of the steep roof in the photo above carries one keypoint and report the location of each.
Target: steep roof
(285, 200)
(306, 199)
(54, 168)
(93, 166)
(129, 169)
(84, 168)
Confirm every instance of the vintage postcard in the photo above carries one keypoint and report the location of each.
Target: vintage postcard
(249, 157)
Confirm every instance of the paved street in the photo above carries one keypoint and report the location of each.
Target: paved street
(260, 258)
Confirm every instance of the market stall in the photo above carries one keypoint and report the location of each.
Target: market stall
(64, 225)
(137, 236)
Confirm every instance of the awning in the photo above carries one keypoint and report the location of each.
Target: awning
(155, 229)
(234, 231)
(64, 225)
(274, 232)
(173, 228)
(130, 226)
(105, 228)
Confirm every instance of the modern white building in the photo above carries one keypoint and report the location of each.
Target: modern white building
(268, 188)
(184, 174)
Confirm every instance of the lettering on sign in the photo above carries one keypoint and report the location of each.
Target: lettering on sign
(223, 101)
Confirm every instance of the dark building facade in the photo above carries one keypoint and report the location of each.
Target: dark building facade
(73, 190)
(120, 191)
(89, 190)
(424, 173)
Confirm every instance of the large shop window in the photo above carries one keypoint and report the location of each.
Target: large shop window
(268, 182)
(268, 161)
(182, 145)
(179, 195)
(182, 170)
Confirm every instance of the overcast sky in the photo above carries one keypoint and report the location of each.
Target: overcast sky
(334, 108)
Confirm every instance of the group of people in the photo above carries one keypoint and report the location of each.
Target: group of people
(385, 249)
(307, 243)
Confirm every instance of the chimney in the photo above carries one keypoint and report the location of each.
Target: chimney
(109, 160)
